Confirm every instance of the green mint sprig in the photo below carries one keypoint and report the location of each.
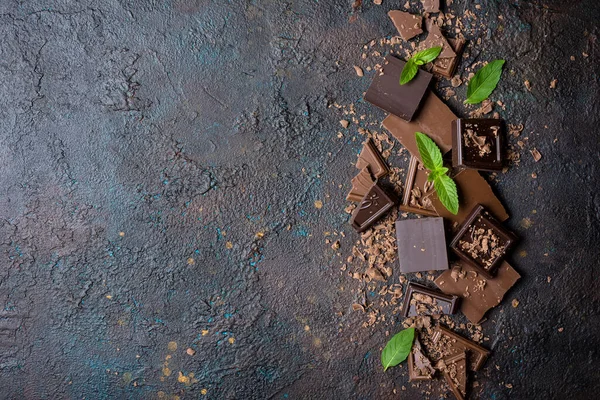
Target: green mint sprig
(431, 156)
(398, 348)
(421, 58)
(483, 83)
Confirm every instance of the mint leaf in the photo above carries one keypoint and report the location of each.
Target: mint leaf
(483, 83)
(412, 65)
(447, 193)
(431, 156)
(437, 172)
(408, 72)
(398, 348)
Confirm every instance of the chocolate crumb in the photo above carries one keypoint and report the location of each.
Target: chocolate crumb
(359, 71)
(537, 156)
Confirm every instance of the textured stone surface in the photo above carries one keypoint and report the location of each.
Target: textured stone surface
(160, 163)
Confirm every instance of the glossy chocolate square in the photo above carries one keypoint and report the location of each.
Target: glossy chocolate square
(372, 207)
(478, 144)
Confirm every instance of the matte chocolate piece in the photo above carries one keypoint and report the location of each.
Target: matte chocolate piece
(435, 38)
(419, 366)
(416, 187)
(372, 207)
(431, 6)
(455, 372)
(450, 343)
(408, 25)
(482, 242)
(477, 143)
(361, 184)
(401, 100)
(447, 66)
(473, 189)
(434, 120)
(370, 157)
(421, 300)
(478, 293)
(421, 245)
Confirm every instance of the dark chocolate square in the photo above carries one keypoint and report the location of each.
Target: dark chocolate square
(421, 300)
(478, 143)
(372, 207)
(422, 245)
(482, 241)
(386, 92)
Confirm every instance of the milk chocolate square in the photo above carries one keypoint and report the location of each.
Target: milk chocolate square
(421, 245)
(372, 207)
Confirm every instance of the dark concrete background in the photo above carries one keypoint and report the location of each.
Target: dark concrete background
(160, 161)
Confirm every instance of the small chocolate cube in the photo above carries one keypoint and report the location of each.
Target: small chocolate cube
(478, 144)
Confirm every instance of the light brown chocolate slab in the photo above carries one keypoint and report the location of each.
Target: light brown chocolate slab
(407, 24)
(371, 158)
(361, 184)
(435, 38)
(455, 373)
(431, 6)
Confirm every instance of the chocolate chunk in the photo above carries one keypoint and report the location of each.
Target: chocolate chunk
(372, 207)
(477, 143)
(482, 242)
(421, 300)
(434, 120)
(416, 187)
(431, 6)
(361, 184)
(370, 157)
(454, 369)
(435, 38)
(449, 343)
(386, 92)
(419, 366)
(421, 245)
(447, 66)
(408, 25)
(478, 293)
(473, 189)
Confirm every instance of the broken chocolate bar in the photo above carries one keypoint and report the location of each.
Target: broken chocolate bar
(372, 207)
(370, 157)
(435, 38)
(477, 143)
(361, 184)
(447, 66)
(421, 300)
(482, 242)
(419, 366)
(434, 119)
(386, 92)
(454, 369)
(408, 25)
(416, 187)
(421, 245)
(449, 343)
(478, 293)
(431, 6)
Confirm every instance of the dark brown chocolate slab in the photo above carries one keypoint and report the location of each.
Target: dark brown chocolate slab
(419, 366)
(372, 207)
(455, 373)
(485, 261)
(473, 189)
(416, 188)
(386, 92)
(361, 184)
(478, 143)
(447, 66)
(435, 38)
(451, 343)
(408, 25)
(479, 294)
(371, 158)
(421, 245)
(421, 300)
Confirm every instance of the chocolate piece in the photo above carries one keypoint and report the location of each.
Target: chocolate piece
(449, 343)
(434, 120)
(421, 245)
(419, 366)
(372, 207)
(454, 369)
(408, 25)
(431, 6)
(478, 293)
(482, 242)
(361, 184)
(386, 92)
(370, 157)
(435, 38)
(416, 187)
(447, 66)
(477, 143)
(473, 189)
(421, 300)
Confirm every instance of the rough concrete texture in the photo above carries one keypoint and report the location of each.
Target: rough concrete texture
(160, 163)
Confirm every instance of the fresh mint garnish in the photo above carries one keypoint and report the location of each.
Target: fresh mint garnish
(398, 348)
(421, 58)
(483, 83)
(431, 156)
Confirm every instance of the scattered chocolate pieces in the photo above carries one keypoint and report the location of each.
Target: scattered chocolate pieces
(372, 207)
(361, 184)
(370, 158)
(421, 245)
(448, 343)
(419, 366)
(478, 143)
(415, 189)
(454, 369)
(408, 25)
(421, 300)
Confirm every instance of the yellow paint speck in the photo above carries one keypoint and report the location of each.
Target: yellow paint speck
(231, 340)
(306, 328)
(260, 235)
(318, 204)
(168, 357)
(172, 346)
(190, 261)
(121, 234)
(229, 245)
(166, 371)
(204, 332)
(108, 296)
(203, 392)
(523, 253)
(182, 378)
(317, 342)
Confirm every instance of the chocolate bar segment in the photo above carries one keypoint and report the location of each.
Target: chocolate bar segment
(361, 184)
(449, 343)
(447, 66)
(408, 25)
(386, 92)
(477, 143)
(421, 245)
(435, 38)
(370, 157)
(419, 366)
(416, 188)
(372, 207)
(478, 293)
(482, 242)
(421, 300)
(454, 369)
